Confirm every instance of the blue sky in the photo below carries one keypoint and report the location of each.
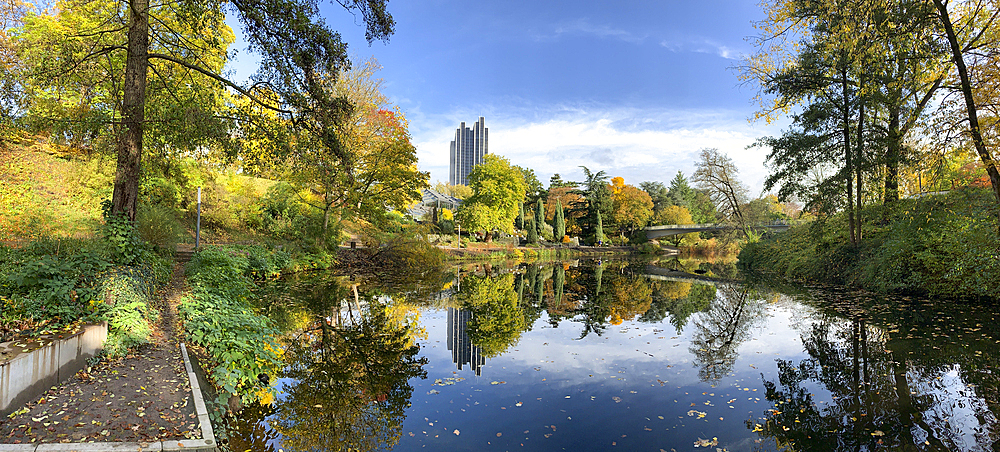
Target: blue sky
(632, 88)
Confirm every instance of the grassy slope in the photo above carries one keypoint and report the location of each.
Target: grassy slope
(48, 190)
(943, 245)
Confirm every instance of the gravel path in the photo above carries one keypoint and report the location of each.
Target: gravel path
(143, 397)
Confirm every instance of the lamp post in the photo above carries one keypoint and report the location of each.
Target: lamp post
(197, 230)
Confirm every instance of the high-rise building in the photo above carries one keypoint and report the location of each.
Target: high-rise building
(462, 350)
(467, 150)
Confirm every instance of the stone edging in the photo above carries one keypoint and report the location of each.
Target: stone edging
(29, 367)
(207, 443)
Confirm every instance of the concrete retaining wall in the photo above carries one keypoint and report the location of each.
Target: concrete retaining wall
(30, 367)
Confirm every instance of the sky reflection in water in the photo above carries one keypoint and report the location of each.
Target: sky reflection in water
(614, 359)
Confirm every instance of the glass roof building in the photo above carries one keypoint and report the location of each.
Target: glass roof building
(467, 150)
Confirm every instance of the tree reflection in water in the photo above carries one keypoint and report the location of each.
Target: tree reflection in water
(497, 316)
(884, 394)
(349, 369)
(721, 330)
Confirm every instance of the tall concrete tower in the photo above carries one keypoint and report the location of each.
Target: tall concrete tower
(467, 150)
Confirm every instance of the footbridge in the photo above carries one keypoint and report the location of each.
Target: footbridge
(654, 232)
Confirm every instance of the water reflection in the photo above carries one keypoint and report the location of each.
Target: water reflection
(725, 326)
(617, 356)
(887, 390)
(463, 351)
(348, 366)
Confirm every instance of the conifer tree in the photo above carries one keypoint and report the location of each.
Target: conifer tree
(599, 234)
(532, 232)
(560, 222)
(539, 216)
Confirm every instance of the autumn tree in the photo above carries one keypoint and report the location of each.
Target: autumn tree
(375, 135)
(534, 189)
(631, 207)
(977, 21)
(497, 191)
(178, 41)
(349, 383)
(567, 197)
(457, 191)
(677, 215)
(716, 173)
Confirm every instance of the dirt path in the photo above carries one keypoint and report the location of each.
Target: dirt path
(143, 397)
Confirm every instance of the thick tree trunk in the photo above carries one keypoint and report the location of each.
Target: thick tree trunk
(970, 102)
(124, 200)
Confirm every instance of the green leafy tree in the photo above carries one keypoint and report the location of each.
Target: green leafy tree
(556, 181)
(69, 60)
(520, 216)
(658, 193)
(138, 37)
(681, 194)
(497, 191)
(595, 198)
(533, 187)
(702, 208)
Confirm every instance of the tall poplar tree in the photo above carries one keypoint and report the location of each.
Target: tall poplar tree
(560, 230)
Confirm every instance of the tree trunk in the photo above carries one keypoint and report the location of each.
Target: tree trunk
(857, 160)
(970, 102)
(124, 200)
(893, 152)
(848, 153)
(326, 226)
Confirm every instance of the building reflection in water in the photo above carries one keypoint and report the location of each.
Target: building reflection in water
(462, 350)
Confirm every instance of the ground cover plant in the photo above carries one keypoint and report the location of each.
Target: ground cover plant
(942, 245)
(55, 283)
(218, 316)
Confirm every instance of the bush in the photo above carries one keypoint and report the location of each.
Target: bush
(158, 226)
(53, 283)
(943, 245)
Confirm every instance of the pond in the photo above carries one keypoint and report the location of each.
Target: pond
(614, 355)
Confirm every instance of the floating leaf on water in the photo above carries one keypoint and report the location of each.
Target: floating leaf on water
(706, 443)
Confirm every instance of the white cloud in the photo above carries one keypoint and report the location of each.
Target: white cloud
(701, 45)
(585, 27)
(637, 144)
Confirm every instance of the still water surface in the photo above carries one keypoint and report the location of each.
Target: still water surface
(604, 356)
